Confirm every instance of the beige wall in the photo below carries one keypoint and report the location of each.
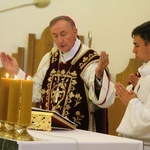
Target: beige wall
(111, 23)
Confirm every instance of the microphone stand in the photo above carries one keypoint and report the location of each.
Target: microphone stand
(37, 3)
(15, 7)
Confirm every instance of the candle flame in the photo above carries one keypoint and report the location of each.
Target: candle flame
(7, 75)
(15, 77)
(28, 78)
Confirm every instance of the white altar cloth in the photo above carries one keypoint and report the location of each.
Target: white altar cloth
(77, 140)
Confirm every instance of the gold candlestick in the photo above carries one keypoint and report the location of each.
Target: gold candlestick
(4, 90)
(25, 110)
(24, 135)
(2, 129)
(11, 132)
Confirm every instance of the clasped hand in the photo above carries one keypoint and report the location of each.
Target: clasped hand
(124, 95)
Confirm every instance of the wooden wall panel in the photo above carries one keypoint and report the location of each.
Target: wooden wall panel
(116, 111)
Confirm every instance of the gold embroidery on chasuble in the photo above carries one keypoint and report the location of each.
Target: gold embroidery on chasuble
(62, 88)
(87, 59)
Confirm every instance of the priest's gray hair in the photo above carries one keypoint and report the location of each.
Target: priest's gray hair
(65, 18)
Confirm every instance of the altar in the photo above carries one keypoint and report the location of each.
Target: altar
(71, 140)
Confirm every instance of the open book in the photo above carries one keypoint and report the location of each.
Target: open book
(58, 121)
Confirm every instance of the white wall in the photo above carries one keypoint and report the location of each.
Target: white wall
(111, 22)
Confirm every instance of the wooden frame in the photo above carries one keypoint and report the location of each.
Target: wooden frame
(37, 48)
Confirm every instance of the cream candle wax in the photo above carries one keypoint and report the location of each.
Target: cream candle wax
(26, 102)
(4, 90)
(13, 101)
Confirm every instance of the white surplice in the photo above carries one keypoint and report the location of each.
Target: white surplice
(136, 120)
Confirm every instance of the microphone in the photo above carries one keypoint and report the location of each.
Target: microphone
(41, 3)
(37, 3)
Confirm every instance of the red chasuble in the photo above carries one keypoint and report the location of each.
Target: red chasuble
(63, 90)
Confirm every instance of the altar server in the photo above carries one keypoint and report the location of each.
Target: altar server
(136, 121)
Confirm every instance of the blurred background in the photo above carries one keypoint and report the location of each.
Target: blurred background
(111, 23)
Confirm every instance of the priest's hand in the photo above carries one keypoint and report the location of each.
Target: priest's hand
(124, 95)
(9, 63)
(102, 64)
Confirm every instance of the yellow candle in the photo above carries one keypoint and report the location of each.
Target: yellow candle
(13, 101)
(26, 102)
(4, 89)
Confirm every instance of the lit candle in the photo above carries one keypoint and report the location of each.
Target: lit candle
(26, 102)
(4, 89)
(13, 101)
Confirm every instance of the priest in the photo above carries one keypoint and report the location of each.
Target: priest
(71, 79)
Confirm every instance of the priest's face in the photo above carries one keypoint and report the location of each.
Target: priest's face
(64, 35)
(141, 49)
